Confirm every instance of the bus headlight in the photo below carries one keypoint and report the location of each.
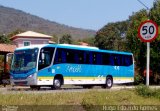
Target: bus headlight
(11, 77)
(30, 76)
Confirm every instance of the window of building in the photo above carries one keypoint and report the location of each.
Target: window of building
(26, 43)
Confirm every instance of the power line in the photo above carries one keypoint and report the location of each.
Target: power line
(156, 0)
(143, 4)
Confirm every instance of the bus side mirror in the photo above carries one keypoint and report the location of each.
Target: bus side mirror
(9, 55)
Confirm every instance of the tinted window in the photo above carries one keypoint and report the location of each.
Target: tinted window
(45, 57)
(87, 57)
(117, 60)
(99, 58)
(94, 58)
(66, 56)
(128, 60)
(105, 59)
(70, 56)
(79, 57)
(122, 60)
(60, 56)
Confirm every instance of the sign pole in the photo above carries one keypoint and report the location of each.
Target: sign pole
(148, 63)
(147, 32)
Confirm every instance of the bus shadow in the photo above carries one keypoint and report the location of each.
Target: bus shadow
(41, 89)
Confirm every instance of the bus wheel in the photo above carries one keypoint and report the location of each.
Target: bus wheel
(57, 83)
(109, 83)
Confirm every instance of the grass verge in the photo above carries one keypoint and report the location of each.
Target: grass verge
(85, 100)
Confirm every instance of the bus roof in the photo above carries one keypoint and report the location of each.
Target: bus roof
(69, 46)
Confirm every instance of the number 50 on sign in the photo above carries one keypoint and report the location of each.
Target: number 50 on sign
(148, 31)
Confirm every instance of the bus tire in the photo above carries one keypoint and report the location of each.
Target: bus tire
(109, 82)
(57, 83)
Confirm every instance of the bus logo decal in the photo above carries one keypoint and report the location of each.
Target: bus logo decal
(74, 69)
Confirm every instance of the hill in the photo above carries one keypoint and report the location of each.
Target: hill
(13, 19)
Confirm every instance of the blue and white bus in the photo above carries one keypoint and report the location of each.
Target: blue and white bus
(54, 65)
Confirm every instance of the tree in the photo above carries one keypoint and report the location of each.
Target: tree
(89, 41)
(112, 36)
(17, 31)
(124, 36)
(67, 39)
(138, 48)
(54, 38)
(133, 43)
(155, 12)
(4, 39)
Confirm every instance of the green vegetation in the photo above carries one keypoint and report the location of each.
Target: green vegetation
(87, 100)
(89, 40)
(4, 39)
(112, 36)
(67, 39)
(145, 91)
(92, 97)
(124, 36)
(120, 35)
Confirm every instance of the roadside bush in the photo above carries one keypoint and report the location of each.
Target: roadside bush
(145, 91)
(157, 78)
(138, 79)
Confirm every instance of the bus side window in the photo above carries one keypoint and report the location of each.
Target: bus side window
(58, 57)
(81, 57)
(86, 57)
(99, 59)
(90, 58)
(111, 60)
(106, 59)
(122, 60)
(117, 60)
(76, 58)
(128, 60)
(45, 57)
(64, 56)
(70, 56)
(94, 58)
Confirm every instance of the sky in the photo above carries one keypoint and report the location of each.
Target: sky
(86, 14)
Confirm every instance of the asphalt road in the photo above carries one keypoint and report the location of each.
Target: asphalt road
(20, 89)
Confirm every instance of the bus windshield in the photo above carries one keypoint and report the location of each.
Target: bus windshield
(24, 60)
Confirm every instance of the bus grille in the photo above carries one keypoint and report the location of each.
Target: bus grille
(21, 83)
(19, 78)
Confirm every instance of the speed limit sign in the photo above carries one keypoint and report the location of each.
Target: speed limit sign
(148, 31)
